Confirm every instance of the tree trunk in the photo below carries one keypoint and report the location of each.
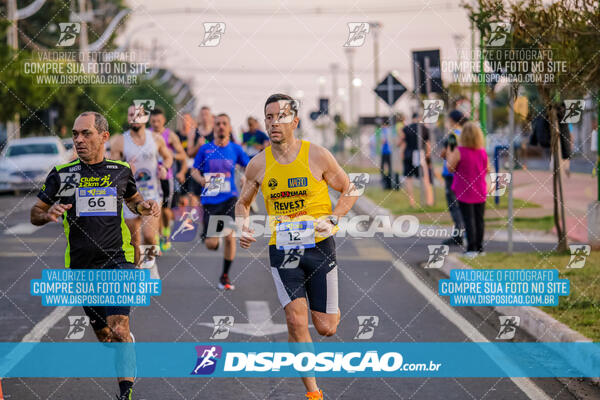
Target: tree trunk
(559, 205)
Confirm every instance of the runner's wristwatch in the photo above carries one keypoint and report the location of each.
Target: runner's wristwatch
(334, 220)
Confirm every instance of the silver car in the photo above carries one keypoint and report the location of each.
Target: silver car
(25, 163)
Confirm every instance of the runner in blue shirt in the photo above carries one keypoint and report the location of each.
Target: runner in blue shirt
(214, 169)
(254, 140)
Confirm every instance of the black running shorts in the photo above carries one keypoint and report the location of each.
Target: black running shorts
(310, 273)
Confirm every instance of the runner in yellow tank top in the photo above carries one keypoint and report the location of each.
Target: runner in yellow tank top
(292, 193)
(294, 177)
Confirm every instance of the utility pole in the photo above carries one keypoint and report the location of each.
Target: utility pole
(11, 34)
(350, 54)
(482, 105)
(472, 59)
(333, 104)
(13, 128)
(375, 26)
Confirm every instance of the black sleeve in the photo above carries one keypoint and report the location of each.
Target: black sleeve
(50, 188)
(131, 188)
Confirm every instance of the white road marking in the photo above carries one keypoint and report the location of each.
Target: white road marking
(35, 335)
(17, 254)
(23, 228)
(259, 321)
(525, 384)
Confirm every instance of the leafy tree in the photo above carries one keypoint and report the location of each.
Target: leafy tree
(566, 28)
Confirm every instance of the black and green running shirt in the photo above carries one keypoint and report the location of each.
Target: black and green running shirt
(97, 236)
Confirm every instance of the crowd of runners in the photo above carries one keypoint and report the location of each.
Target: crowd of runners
(149, 171)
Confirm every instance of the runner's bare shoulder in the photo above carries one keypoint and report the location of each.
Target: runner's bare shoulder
(116, 145)
(255, 171)
(158, 138)
(319, 160)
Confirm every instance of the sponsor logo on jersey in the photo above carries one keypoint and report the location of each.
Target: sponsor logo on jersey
(288, 205)
(297, 182)
(75, 168)
(91, 181)
(272, 183)
(288, 193)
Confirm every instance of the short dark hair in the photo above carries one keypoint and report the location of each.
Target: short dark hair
(157, 111)
(100, 123)
(457, 116)
(205, 108)
(415, 115)
(280, 96)
(224, 115)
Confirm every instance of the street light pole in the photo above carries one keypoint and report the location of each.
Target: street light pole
(375, 26)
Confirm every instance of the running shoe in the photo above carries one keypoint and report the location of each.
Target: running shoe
(471, 254)
(165, 243)
(225, 283)
(453, 241)
(316, 395)
(127, 395)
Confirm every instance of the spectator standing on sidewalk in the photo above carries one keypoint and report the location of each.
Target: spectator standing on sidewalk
(456, 120)
(469, 164)
(386, 156)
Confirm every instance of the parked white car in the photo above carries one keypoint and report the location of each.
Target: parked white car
(25, 163)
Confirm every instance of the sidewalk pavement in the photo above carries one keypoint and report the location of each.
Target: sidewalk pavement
(579, 190)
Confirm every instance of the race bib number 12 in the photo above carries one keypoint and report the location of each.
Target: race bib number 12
(295, 235)
(93, 202)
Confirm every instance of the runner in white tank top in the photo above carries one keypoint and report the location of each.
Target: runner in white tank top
(144, 162)
(141, 148)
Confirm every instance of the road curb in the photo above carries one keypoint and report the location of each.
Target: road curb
(534, 321)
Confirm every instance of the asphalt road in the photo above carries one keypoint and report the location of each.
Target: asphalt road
(369, 285)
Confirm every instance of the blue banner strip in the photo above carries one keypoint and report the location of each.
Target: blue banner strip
(261, 359)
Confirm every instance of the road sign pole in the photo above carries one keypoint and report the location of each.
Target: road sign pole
(390, 90)
(427, 93)
(511, 164)
(419, 131)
